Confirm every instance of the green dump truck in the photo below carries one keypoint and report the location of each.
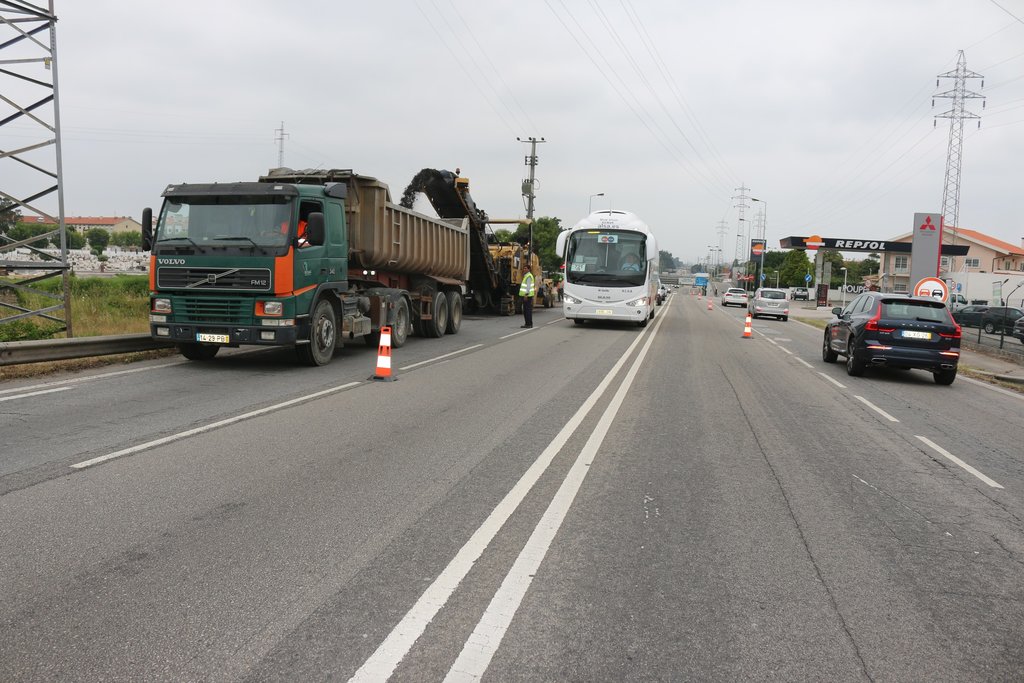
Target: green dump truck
(308, 259)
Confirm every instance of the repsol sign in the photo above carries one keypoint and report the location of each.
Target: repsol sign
(862, 245)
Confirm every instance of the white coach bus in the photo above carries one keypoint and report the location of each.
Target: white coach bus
(611, 268)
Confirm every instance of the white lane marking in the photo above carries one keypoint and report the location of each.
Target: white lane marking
(785, 349)
(767, 339)
(993, 387)
(209, 427)
(78, 380)
(481, 645)
(555, 322)
(952, 458)
(875, 408)
(528, 329)
(33, 393)
(841, 386)
(809, 366)
(386, 658)
(447, 355)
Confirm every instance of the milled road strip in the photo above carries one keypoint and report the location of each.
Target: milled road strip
(875, 408)
(486, 638)
(33, 393)
(952, 458)
(104, 375)
(389, 654)
(209, 427)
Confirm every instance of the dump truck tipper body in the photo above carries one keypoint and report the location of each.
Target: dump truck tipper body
(301, 258)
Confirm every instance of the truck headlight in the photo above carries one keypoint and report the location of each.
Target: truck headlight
(161, 305)
(269, 308)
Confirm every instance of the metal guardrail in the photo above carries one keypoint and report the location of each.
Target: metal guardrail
(42, 350)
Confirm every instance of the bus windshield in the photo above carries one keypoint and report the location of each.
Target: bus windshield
(614, 258)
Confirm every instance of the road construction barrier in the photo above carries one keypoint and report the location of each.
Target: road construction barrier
(383, 373)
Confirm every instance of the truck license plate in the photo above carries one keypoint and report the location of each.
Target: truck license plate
(214, 338)
(604, 311)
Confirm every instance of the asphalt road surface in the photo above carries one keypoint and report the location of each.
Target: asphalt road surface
(571, 502)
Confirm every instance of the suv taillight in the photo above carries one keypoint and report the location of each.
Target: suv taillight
(958, 330)
(872, 324)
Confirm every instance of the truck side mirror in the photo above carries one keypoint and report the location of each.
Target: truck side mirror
(315, 228)
(147, 229)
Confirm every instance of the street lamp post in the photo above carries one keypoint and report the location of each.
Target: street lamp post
(590, 205)
(844, 285)
(776, 279)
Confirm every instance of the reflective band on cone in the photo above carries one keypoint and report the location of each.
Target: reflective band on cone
(747, 332)
(383, 373)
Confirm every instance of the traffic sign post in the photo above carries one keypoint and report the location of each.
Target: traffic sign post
(932, 287)
(807, 278)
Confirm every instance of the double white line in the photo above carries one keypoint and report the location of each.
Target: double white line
(483, 643)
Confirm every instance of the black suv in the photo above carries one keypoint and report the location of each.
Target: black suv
(894, 330)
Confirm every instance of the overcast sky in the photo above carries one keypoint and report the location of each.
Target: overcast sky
(822, 109)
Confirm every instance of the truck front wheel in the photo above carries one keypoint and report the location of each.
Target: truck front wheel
(400, 330)
(323, 335)
(198, 351)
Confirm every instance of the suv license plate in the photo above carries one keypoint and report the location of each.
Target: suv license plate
(214, 338)
(914, 334)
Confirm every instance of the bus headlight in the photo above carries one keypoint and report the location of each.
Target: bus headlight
(571, 299)
(642, 301)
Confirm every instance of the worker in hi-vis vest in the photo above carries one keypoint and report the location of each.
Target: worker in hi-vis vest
(527, 290)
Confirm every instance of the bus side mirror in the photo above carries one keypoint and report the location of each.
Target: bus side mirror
(147, 229)
(315, 228)
(560, 243)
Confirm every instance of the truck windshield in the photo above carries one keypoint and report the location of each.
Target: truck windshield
(606, 257)
(258, 221)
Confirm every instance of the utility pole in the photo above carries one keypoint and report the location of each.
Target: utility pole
(957, 114)
(742, 206)
(529, 185)
(279, 136)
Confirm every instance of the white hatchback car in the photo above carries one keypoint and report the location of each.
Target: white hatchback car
(734, 296)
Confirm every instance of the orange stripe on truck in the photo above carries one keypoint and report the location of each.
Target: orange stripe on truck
(284, 273)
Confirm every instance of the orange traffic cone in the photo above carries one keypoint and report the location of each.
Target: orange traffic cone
(709, 303)
(383, 373)
(747, 332)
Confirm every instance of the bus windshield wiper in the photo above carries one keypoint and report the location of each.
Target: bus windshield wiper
(596, 276)
(241, 237)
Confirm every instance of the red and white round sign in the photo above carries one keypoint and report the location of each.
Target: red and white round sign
(933, 287)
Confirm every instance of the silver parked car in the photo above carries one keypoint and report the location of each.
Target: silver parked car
(769, 302)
